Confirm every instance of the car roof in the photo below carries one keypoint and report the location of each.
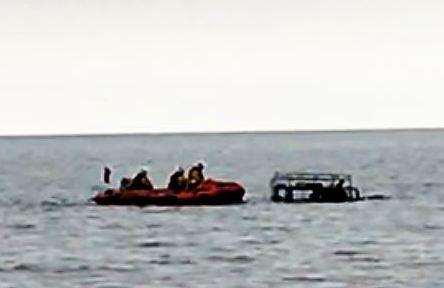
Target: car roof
(304, 176)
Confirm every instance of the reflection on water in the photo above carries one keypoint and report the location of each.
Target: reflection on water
(52, 236)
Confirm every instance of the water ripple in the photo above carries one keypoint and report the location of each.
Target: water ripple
(305, 278)
(156, 244)
(22, 226)
(28, 267)
(347, 253)
(242, 259)
(117, 268)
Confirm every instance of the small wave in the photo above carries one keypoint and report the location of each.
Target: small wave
(394, 177)
(368, 259)
(267, 228)
(306, 220)
(156, 244)
(249, 218)
(377, 197)
(117, 268)
(160, 262)
(166, 260)
(433, 227)
(242, 259)
(305, 278)
(217, 229)
(274, 241)
(357, 256)
(28, 267)
(80, 268)
(187, 262)
(422, 264)
(110, 226)
(19, 203)
(366, 242)
(110, 285)
(160, 210)
(238, 270)
(57, 202)
(22, 226)
(284, 229)
(347, 253)
(225, 249)
(432, 184)
(250, 241)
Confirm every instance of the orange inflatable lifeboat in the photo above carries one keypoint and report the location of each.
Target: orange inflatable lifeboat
(211, 192)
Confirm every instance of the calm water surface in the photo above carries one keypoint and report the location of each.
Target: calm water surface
(51, 236)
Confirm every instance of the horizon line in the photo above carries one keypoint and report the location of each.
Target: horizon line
(234, 132)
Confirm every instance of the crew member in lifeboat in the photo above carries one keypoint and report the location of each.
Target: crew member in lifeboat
(195, 177)
(125, 183)
(141, 182)
(178, 182)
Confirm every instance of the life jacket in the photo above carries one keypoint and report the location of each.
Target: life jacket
(141, 182)
(177, 181)
(195, 178)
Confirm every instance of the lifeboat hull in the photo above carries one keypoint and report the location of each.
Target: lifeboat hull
(210, 193)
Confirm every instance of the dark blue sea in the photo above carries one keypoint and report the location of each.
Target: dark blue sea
(51, 235)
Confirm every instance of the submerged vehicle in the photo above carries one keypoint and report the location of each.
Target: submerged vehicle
(211, 192)
(294, 187)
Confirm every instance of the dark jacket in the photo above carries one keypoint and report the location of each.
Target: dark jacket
(141, 182)
(175, 183)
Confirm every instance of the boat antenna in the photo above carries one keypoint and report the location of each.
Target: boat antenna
(106, 175)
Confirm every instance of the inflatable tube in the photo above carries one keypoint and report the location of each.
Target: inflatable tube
(210, 193)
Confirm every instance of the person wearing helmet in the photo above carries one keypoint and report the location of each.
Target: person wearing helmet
(178, 181)
(141, 182)
(195, 177)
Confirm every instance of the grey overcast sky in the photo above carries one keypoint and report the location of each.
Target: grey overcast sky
(89, 66)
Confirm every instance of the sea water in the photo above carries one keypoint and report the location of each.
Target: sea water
(51, 235)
